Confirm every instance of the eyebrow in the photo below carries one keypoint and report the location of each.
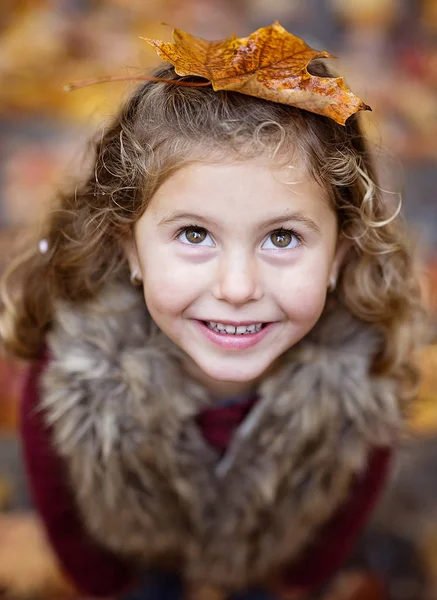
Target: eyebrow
(279, 219)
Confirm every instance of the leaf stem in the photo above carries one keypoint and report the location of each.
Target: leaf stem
(69, 87)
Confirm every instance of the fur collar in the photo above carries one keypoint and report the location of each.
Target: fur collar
(147, 484)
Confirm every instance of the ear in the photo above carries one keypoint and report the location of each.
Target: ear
(131, 254)
(343, 246)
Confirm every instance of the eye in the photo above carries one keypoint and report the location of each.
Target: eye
(195, 236)
(282, 238)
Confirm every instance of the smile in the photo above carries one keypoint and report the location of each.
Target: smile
(234, 337)
(234, 329)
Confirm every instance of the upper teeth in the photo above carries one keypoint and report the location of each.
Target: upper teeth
(241, 329)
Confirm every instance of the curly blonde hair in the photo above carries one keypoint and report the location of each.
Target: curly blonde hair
(161, 128)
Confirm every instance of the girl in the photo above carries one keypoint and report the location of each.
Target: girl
(221, 318)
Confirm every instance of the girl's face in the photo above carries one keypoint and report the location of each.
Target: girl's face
(235, 261)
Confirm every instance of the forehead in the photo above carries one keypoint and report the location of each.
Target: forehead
(253, 188)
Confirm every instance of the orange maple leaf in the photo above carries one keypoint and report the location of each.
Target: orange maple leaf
(271, 63)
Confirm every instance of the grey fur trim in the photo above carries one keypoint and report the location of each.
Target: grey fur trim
(147, 484)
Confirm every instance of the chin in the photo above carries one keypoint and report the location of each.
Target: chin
(232, 374)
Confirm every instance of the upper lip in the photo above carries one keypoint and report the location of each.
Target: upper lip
(234, 323)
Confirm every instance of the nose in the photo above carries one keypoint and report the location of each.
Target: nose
(237, 280)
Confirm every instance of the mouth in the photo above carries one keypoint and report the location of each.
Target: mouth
(234, 336)
(237, 329)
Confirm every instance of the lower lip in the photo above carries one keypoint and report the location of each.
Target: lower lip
(236, 341)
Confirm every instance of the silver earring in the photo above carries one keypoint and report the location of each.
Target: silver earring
(135, 279)
(332, 283)
(43, 246)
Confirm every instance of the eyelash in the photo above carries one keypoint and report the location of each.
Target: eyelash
(283, 230)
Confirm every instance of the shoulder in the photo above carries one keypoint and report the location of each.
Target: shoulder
(30, 418)
(44, 468)
(340, 533)
(363, 495)
(92, 569)
(337, 538)
(347, 523)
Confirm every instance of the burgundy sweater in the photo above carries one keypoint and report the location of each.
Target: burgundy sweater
(97, 572)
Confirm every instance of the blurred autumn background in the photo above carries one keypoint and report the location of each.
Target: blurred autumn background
(388, 54)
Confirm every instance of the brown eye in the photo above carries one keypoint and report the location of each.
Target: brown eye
(195, 235)
(285, 239)
(281, 239)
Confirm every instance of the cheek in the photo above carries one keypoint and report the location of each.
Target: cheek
(165, 288)
(303, 297)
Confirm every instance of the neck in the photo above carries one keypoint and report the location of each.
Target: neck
(226, 389)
